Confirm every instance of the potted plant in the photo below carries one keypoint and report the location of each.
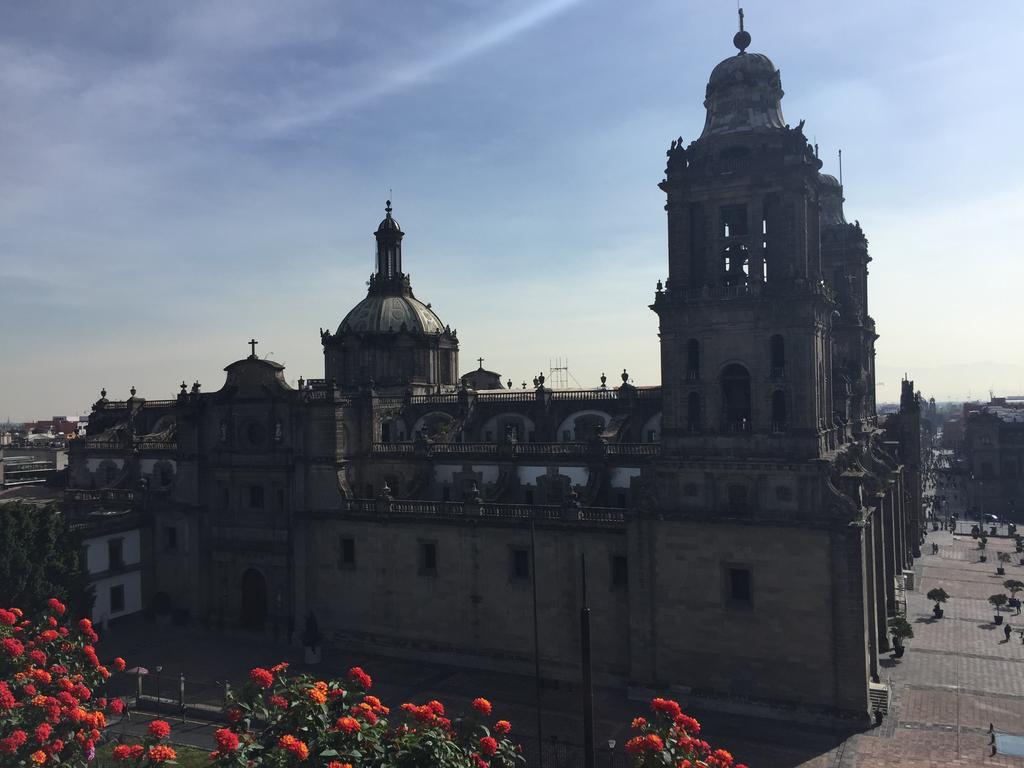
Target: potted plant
(901, 630)
(998, 601)
(1013, 586)
(939, 596)
(1004, 558)
(982, 544)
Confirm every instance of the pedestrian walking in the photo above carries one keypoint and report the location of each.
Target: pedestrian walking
(1022, 636)
(1006, 631)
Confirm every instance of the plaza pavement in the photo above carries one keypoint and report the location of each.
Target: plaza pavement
(957, 676)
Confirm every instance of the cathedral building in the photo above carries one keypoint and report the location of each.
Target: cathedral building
(746, 524)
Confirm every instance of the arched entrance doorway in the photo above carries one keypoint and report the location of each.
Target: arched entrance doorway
(254, 599)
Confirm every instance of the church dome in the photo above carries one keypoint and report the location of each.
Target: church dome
(744, 93)
(379, 313)
(831, 200)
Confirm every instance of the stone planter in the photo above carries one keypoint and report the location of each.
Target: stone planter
(1001, 571)
(997, 619)
(937, 613)
(898, 651)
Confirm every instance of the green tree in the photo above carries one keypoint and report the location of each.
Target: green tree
(39, 559)
(939, 595)
(901, 630)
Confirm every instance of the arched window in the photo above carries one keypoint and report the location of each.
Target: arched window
(736, 399)
(736, 265)
(693, 412)
(778, 350)
(692, 360)
(778, 411)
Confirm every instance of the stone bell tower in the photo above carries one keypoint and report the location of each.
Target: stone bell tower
(745, 316)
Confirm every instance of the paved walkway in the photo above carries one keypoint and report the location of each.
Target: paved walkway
(957, 676)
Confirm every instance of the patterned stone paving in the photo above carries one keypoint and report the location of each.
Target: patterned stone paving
(958, 676)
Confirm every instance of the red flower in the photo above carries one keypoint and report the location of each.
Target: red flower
(7, 618)
(278, 701)
(234, 715)
(488, 745)
(7, 700)
(85, 625)
(687, 724)
(436, 707)
(38, 757)
(119, 664)
(48, 635)
(43, 732)
(56, 606)
(12, 647)
(502, 727)
(227, 740)
(639, 722)
(160, 729)
(128, 751)
(666, 707)
(359, 677)
(483, 706)
(279, 668)
(348, 725)
(262, 677)
(336, 764)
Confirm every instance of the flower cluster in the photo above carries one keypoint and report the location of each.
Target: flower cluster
(280, 720)
(671, 737)
(48, 672)
(151, 752)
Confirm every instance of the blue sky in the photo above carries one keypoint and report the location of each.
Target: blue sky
(179, 177)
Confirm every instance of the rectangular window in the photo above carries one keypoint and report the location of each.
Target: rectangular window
(520, 564)
(428, 558)
(346, 553)
(256, 496)
(620, 572)
(115, 554)
(170, 538)
(738, 587)
(734, 220)
(117, 598)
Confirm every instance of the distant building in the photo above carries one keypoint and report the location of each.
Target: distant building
(992, 452)
(112, 551)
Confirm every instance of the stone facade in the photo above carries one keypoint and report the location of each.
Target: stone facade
(745, 525)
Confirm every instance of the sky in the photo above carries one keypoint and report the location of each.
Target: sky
(180, 177)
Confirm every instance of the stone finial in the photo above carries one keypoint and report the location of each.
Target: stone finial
(536, 381)
(604, 380)
(509, 384)
(540, 379)
(132, 390)
(302, 382)
(103, 393)
(625, 376)
(184, 387)
(660, 287)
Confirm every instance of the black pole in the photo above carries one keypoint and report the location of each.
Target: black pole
(588, 687)
(536, 643)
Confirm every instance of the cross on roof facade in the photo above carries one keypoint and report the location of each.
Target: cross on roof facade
(253, 343)
(481, 361)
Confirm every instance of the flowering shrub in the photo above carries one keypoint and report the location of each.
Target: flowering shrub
(48, 671)
(671, 738)
(277, 720)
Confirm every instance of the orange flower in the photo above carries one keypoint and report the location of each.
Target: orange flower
(348, 725)
(316, 695)
(502, 727)
(39, 757)
(293, 745)
(161, 753)
(483, 706)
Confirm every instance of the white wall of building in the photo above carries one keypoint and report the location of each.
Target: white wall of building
(131, 582)
(97, 558)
